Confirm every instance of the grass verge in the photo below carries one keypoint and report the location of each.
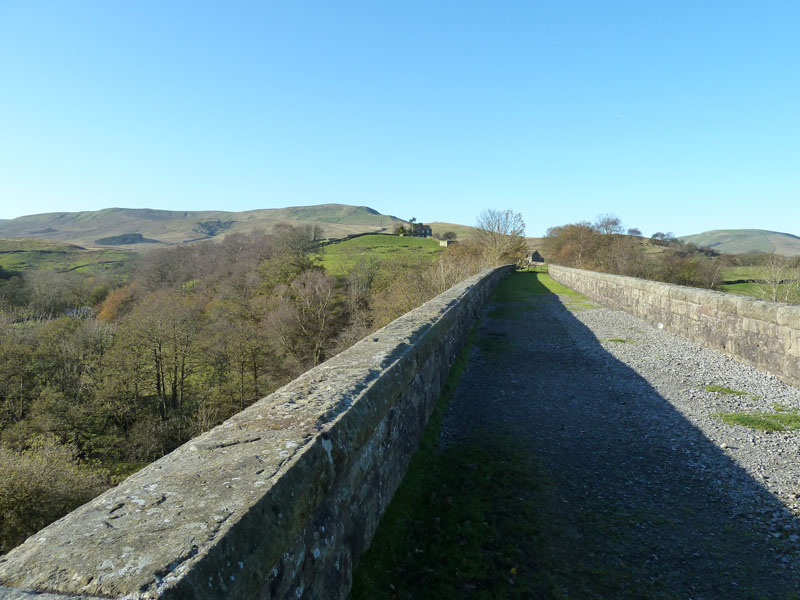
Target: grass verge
(520, 286)
(459, 526)
(721, 389)
(781, 421)
(463, 521)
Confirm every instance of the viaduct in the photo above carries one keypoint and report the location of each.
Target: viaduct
(282, 499)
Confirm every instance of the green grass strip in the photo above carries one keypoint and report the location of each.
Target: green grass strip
(520, 286)
(721, 389)
(783, 421)
(463, 522)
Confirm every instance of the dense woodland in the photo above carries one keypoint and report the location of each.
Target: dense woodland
(605, 245)
(101, 373)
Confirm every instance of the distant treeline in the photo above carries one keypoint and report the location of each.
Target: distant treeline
(606, 246)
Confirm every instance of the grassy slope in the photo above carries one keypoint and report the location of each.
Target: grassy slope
(337, 220)
(34, 254)
(338, 258)
(336, 213)
(462, 232)
(16, 244)
(737, 241)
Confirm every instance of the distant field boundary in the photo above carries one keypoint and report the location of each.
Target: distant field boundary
(740, 281)
(94, 264)
(352, 236)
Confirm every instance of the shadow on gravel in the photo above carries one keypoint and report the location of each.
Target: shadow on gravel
(604, 488)
(634, 501)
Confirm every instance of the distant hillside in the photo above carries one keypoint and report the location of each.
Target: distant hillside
(738, 241)
(18, 245)
(31, 254)
(125, 240)
(152, 227)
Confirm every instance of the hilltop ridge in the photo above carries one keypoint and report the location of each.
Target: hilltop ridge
(739, 241)
(91, 228)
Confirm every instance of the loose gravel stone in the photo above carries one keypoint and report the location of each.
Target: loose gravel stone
(657, 493)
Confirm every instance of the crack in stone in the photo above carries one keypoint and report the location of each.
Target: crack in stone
(234, 443)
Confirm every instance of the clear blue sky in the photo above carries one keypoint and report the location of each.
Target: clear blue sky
(675, 116)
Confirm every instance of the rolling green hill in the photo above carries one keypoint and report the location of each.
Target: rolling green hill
(159, 227)
(31, 254)
(337, 258)
(463, 232)
(738, 241)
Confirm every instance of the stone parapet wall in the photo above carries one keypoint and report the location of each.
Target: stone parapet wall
(763, 334)
(280, 500)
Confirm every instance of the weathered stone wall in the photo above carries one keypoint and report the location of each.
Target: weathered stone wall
(763, 334)
(280, 500)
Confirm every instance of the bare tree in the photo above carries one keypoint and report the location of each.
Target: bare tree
(622, 256)
(306, 318)
(709, 270)
(780, 278)
(608, 224)
(573, 245)
(501, 236)
(659, 238)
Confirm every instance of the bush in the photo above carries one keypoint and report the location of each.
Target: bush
(40, 485)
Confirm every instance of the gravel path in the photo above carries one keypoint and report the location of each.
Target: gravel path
(645, 493)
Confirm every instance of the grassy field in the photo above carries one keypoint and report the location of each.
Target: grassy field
(753, 290)
(340, 257)
(734, 273)
(30, 254)
(746, 288)
(463, 232)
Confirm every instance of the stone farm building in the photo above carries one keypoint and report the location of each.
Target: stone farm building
(535, 258)
(422, 230)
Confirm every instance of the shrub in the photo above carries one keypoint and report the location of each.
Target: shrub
(40, 485)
